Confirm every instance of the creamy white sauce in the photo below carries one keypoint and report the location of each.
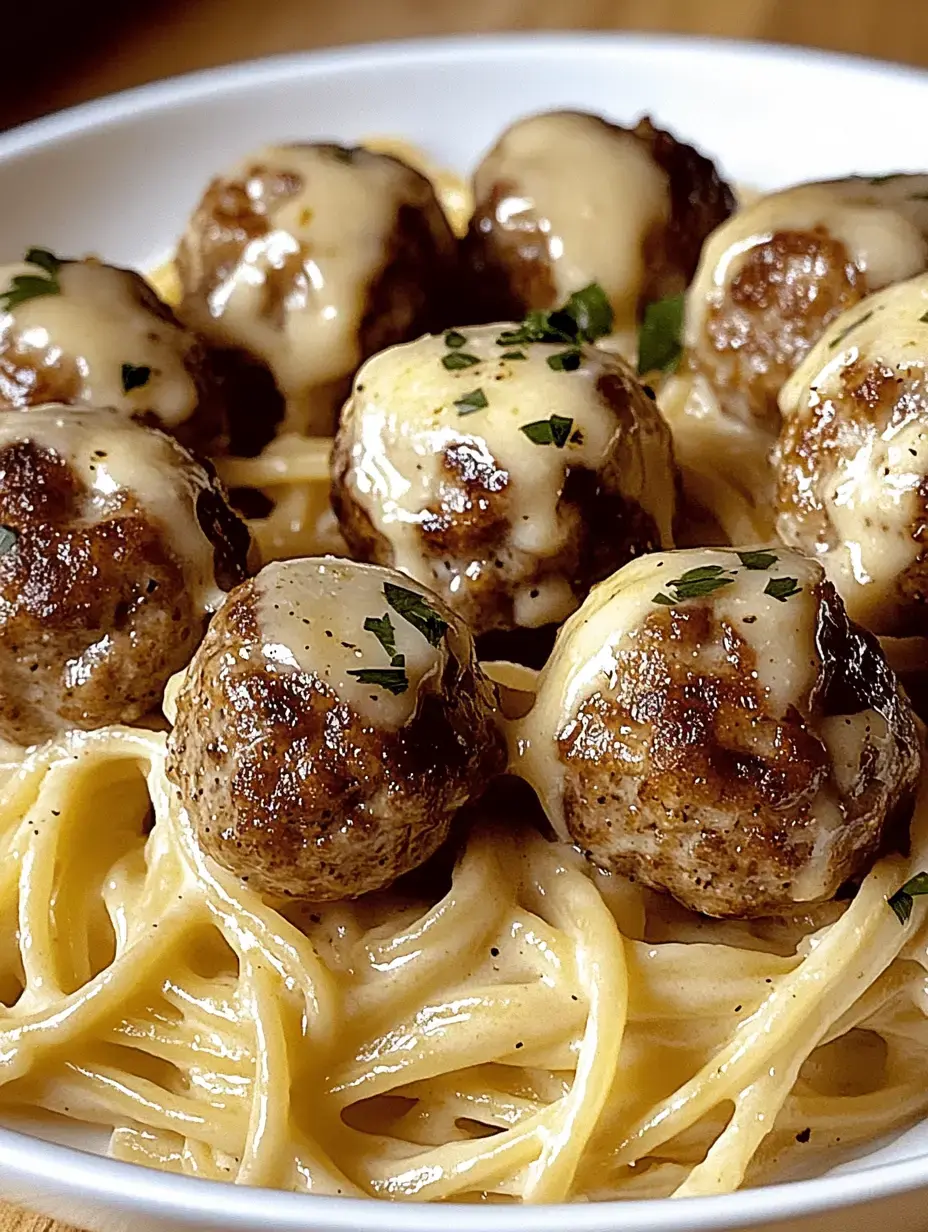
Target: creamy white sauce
(593, 646)
(310, 615)
(94, 326)
(117, 460)
(883, 226)
(872, 496)
(402, 417)
(595, 192)
(335, 229)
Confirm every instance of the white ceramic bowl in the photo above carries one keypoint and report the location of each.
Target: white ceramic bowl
(118, 177)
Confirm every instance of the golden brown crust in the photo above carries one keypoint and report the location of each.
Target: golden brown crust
(822, 437)
(95, 615)
(468, 533)
(509, 261)
(785, 292)
(684, 778)
(30, 377)
(291, 790)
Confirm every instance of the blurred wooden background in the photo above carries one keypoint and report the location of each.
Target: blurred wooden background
(72, 50)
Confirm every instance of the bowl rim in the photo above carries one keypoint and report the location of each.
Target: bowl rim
(72, 1173)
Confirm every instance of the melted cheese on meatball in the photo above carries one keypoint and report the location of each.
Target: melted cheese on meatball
(586, 655)
(311, 617)
(868, 477)
(117, 460)
(882, 223)
(598, 194)
(325, 238)
(407, 409)
(95, 330)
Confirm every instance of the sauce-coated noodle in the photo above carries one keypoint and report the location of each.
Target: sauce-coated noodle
(536, 1034)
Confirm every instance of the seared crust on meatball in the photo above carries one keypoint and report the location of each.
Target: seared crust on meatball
(454, 476)
(103, 338)
(746, 750)
(312, 257)
(852, 459)
(773, 278)
(105, 581)
(305, 779)
(777, 306)
(614, 199)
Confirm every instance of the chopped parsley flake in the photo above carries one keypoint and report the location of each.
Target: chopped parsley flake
(660, 336)
(835, 342)
(476, 400)
(459, 359)
(782, 588)
(924, 318)
(565, 361)
(758, 560)
(393, 679)
(24, 287)
(134, 377)
(514, 355)
(901, 902)
(416, 611)
(382, 629)
(555, 430)
(44, 260)
(454, 339)
(694, 584)
(586, 316)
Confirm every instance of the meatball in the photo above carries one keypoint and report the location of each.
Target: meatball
(566, 198)
(712, 724)
(773, 278)
(115, 545)
(501, 476)
(329, 727)
(311, 258)
(852, 459)
(85, 333)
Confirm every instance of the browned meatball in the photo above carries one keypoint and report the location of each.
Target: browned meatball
(713, 725)
(116, 545)
(852, 459)
(774, 277)
(506, 484)
(89, 334)
(311, 258)
(565, 199)
(329, 727)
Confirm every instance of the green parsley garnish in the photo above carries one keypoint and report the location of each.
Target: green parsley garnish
(782, 588)
(416, 611)
(134, 377)
(758, 560)
(393, 679)
(565, 361)
(660, 336)
(8, 539)
(476, 400)
(586, 316)
(44, 260)
(901, 902)
(459, 359)
(514, 355)
(848, 329)
(454, 339)
(555, 430)
(382, 629)
(924, 318)
(30, 286)
(694, 584)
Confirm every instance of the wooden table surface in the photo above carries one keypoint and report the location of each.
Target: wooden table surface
(98, 48)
